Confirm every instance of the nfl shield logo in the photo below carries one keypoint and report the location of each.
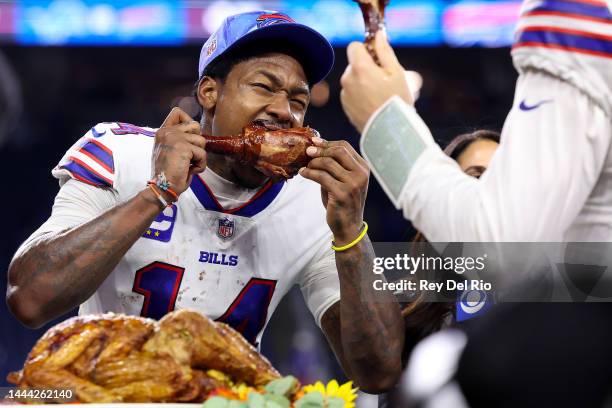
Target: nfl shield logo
(226, 228)
(211, 47)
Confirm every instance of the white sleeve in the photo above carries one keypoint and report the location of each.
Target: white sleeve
(75, 204)
(319, 283)
(548, 162)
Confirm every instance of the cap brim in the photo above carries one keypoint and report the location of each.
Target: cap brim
(315, 53)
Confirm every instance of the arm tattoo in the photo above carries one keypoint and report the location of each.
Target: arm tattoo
(365, 327)
(59, 271)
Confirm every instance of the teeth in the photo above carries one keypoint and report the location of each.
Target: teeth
(269, 126)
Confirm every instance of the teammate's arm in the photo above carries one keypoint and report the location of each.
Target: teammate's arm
(51, 275)
(364, 329)
(549, 160)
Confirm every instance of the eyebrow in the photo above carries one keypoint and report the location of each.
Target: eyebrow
(477, 168)
(299, 89)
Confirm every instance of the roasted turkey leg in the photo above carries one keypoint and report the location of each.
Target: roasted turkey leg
(276, 153)
(373, 12)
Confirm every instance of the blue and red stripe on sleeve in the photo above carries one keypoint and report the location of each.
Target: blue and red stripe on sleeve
(92, 163)
(100, 154)
(83, 172)
(569, 40)
(574, 9)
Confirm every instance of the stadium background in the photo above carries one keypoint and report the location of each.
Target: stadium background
(68, 64)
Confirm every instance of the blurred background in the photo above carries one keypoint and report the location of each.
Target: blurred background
(66, 65)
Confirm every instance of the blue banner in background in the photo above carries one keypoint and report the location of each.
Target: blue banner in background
(340, 21)
(165, 22)
(479, 23)
(91, 22)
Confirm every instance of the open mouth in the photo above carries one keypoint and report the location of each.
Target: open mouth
(270, 125)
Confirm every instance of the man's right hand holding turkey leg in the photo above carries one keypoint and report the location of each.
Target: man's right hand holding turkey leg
(178, 153)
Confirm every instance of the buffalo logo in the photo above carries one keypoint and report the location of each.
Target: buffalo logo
(226, 228)
(269, 19)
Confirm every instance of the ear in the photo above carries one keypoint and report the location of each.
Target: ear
(207, 93)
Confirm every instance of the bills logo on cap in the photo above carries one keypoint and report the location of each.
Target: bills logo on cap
(226, 228)
(244, 29)
(269, 19)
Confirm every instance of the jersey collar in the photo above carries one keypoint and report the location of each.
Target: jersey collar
(259, 202)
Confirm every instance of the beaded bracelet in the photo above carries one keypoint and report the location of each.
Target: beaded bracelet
(158, 195)
(163, 184)
(167, 190)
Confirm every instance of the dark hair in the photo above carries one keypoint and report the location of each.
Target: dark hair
(461, 142)
(458, 146)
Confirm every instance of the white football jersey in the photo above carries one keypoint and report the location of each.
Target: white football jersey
(234, 265)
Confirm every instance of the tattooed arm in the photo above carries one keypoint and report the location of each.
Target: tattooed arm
(56, 272)
(365, 328)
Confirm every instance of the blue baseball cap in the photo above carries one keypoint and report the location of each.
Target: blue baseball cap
(317, 54)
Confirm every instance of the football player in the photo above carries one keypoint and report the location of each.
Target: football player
(145, 222)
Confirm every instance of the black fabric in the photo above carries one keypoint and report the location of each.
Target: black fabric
(538, 355)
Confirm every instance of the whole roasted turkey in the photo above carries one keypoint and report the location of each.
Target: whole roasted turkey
(276, 153)
(117, 358)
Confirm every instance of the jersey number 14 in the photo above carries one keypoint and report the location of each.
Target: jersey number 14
(159, 283)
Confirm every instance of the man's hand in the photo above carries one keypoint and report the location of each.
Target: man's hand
(366, 86)
(179, 150)
(343, 176)
(361, 313)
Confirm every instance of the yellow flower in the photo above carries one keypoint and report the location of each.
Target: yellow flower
(243, 391)
(346, 392)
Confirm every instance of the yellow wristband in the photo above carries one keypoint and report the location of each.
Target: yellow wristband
(364, 230)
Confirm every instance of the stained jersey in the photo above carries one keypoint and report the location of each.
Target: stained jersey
(233, 265)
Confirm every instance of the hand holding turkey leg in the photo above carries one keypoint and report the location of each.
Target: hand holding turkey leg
(179, 150)
(373, 12)
(276, 153)
(367, 86)
(343, 176)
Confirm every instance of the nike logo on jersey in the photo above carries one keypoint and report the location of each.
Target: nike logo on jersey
(524, 107)
(218, 259)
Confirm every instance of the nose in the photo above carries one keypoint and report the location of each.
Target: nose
(280, 109)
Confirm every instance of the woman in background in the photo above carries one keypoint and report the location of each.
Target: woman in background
(473, 152)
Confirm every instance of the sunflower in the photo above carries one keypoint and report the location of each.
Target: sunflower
(243, 391)
(333, 391)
